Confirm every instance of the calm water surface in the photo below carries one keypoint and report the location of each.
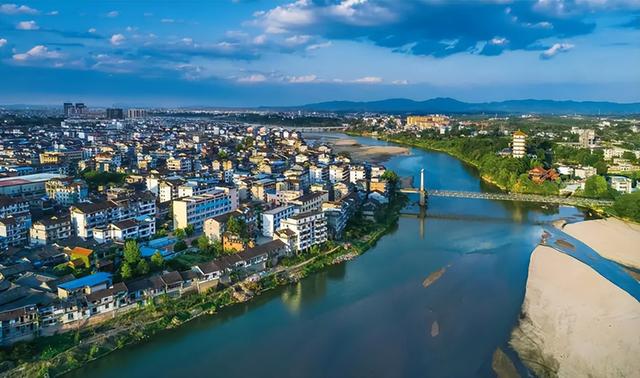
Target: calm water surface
(372, 317)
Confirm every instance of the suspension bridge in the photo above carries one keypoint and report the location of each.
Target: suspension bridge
(518, 197)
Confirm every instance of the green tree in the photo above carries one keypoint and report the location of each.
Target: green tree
(143, 267)
(596, 187)
(179, 246)
(628, 206)
(629, 156)
(189, 230)
(391, 177)
(237, 226)
(179, 233)
(203, 243)
(157, 261)
(125, 271)
(131, 252)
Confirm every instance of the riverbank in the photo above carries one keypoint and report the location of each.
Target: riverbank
(61, 353)
(574, 322)
(611, 238)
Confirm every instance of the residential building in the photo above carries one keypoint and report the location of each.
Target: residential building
(136, 113)
(120, 231)
(85, 285)
(427, 122)
(309, 229)
(49, 230)
(338, 173)
(29, 187)
(271, 218)
(310, 202)
(115, 113)
(67, 191)
(584, 172)
(180, 164)
(587, 138)
(621, 184)
(195, 210)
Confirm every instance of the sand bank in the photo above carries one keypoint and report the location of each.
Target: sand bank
(611, 238)
(574, 322)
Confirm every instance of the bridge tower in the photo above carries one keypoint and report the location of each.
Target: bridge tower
(423, 193)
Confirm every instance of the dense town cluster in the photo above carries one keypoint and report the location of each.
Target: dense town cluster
(93, 211)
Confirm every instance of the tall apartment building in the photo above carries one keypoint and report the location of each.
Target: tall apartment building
(304, 230)
(67, 191)
(136, 113)
(519, 145)
(115, 113)
(195, 210)
(271, 218)
(587, 138)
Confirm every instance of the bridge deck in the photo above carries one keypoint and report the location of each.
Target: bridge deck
(573, 201)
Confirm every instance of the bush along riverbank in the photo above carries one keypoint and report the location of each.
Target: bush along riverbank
(58, 354)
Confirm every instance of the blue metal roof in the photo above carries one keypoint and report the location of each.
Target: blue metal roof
(90, 280)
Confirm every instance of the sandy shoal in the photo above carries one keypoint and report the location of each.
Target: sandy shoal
(389, 150)
(576, 323)
(611, 238)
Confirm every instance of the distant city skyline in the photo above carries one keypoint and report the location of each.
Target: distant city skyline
(278, 53)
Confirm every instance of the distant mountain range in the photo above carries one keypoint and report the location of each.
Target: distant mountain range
(449, 105)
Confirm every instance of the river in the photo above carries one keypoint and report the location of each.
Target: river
(372, 316)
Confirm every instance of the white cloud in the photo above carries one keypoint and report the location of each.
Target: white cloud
(319, 46)
(3, 42)
(167, 20)
(498, 41)
(117, 39)
(400, 82)
(16, 9)
(297, 39)
(92, 30)
(260, 39)
(255, 78)
(368, 80)
(27, 25)
(53, 13)
(302, 79)
(555, 50)
(148, 14)
(113, 14)
(38, 52)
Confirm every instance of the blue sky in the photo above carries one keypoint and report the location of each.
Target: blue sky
(247, 53)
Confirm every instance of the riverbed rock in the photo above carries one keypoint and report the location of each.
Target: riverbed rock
(435, 328)
(433, 277)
